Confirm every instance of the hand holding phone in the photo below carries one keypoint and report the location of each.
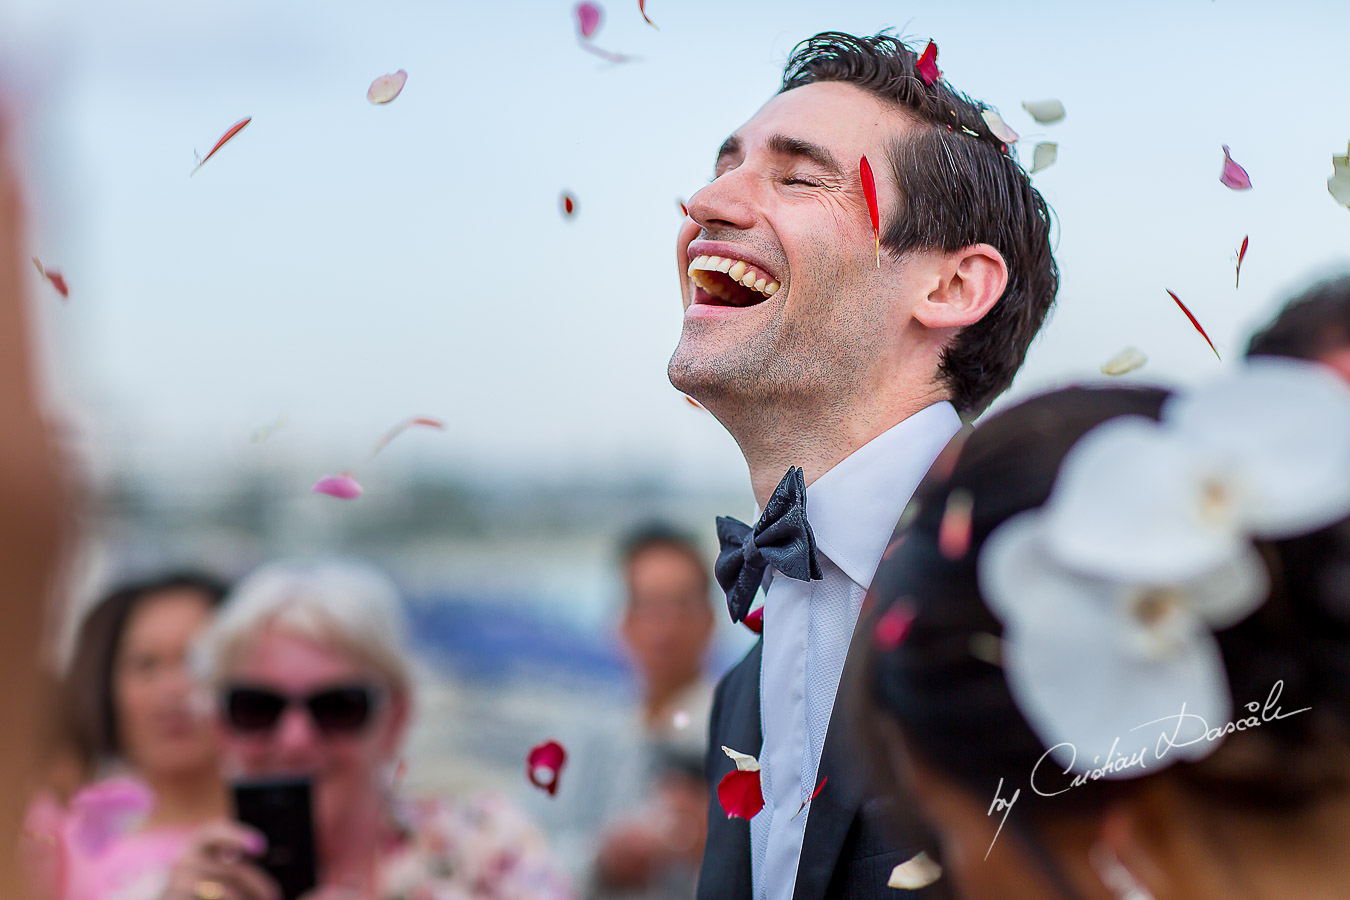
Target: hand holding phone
(281, 809)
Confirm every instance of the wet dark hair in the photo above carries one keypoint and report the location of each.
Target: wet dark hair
(1311, 324)
(89, 679)
(958, 186)
(659, 534)
(953, 704)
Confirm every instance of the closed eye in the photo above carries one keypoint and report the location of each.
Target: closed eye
(809, 182)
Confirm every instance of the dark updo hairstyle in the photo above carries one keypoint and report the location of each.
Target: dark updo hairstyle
(90, 675)
(943, 684)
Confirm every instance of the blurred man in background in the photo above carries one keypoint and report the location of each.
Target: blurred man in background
(1314, 326)
(652, 830)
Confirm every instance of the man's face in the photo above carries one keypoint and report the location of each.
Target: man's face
(787, 205)
(668, 620)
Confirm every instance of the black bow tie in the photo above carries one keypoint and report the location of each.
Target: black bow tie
(781, 538)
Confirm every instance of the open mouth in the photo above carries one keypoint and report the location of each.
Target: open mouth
(731, 282)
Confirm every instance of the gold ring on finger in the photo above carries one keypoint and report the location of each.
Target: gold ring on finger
(208, 890)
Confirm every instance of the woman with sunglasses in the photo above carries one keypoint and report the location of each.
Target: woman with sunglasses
(311, 679)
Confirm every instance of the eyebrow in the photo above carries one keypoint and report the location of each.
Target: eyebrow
(786, 145)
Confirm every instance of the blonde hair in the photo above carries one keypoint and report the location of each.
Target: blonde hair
(348, 605)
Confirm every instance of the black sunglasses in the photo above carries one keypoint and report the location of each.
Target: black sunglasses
(343, 709)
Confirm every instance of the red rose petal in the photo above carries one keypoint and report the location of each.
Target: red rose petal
(569, 206)
(544, 764)
(755, 620)
(893, 626)
(820, 787)
(740, 794)
(1242, 254)
(233, 130)
(927, 64)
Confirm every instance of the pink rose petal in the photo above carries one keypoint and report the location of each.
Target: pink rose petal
(588, 18)
(343, 487)
(893, 626)
(386, 87)
(543, 766)
(954, 530)
(55, 277)
(1233, 175)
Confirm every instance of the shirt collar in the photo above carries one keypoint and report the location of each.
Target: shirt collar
(854, 506)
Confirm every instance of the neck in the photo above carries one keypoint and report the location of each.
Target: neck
(184, 799)
(814, 437)
(349, 854)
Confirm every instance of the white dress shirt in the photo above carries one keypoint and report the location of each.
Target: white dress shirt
(808, 626)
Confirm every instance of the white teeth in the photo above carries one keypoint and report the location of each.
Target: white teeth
(737, 271)
(749, 278)
(771, 288)
(713, 262)
(725, 265)
(759, 285)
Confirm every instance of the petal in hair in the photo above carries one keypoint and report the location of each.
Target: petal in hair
(999, 127)
(927, 64)
(544, 765)
(1127, 360)
(918, 872)
(386, 87)
(343, 487)
(1233, 175)
(588, 18)
(1047, 112)
(1338, 185)
(1043, 157)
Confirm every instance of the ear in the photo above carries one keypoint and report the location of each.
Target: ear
(969, 283)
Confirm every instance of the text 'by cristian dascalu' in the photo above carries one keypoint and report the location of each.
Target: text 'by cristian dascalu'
(1184, 729)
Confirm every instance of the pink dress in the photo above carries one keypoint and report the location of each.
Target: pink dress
(102, 853)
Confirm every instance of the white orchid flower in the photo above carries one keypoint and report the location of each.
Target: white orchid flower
(1262, 453)
(1088, 659)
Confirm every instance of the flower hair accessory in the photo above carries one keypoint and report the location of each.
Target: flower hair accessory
(1111, 592)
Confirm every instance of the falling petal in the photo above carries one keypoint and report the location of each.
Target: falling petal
(386, 87)
(266, 431)
(404, 426)
(893, 625)
(1196, 323)
(588, 18)
(569, 206)
(744, 761)
(927, 64)
(544, 764)
(343, 487)
(58, 281)
(606, 55)
(820, 787)
(1126, 360)
(1242, 253)
(680, 721)
(954, 530)
(1047, 112)
(1043, 156)
(869, 186)
(684, 210)
(1233, 175)
(642, 8)
(694, 403)
(740, 794)
(1338, 185)
(755, 620)
(999, 127)
(234, 129)
(918, 872)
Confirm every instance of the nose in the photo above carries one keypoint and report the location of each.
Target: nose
(295, 734)
(726, 203)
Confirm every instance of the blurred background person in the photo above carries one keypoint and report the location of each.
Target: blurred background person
(666, 628)
(310, 676)
(1314, 326)
(997, 672)
(132, 717)
(32, 527)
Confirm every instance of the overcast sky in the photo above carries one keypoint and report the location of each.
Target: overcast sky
(347, 265)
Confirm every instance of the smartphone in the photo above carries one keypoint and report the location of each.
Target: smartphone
(281, 809)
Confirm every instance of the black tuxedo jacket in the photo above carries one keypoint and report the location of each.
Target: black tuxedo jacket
(851, 842)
